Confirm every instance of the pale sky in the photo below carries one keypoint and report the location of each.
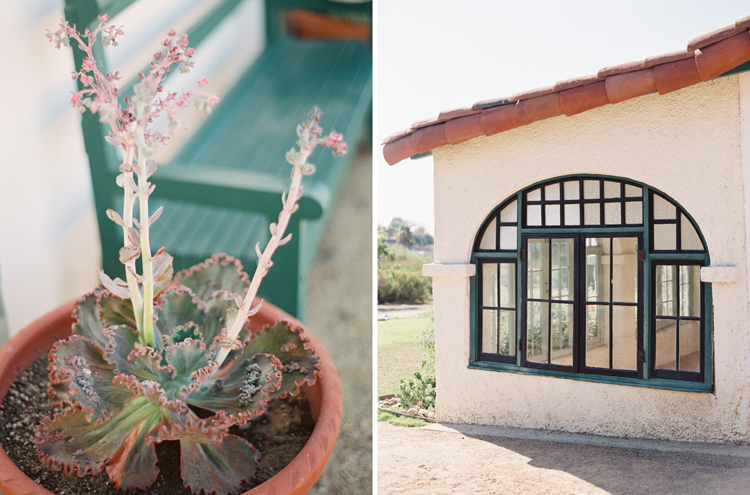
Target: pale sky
(433, 55)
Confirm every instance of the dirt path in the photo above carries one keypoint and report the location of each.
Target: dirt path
(420, 461)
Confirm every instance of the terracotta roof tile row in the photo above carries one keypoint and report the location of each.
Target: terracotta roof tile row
(707, 56)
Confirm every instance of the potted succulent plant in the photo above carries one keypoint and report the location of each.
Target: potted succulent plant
(163, 356)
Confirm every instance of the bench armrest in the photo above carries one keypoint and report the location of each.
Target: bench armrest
(238, 189)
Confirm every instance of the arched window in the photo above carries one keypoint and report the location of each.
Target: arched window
(594, 278)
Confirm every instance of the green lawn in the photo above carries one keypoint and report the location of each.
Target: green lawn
(399, 354)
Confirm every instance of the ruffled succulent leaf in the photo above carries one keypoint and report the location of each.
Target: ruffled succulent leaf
(153, 392)
(183, 332)
(213, 461)
(86, 317)
(192, 365)
(162, 270)
(176, 307)
(115, 311)
(242, 387)
(81, 377)
(125, 354)
(219, 272)
(71, 443)
(299, 362)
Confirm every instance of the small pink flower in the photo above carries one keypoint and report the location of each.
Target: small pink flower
(89, 64)
(167, 42)
(172, 32)
(75, 99)
(103, 18)
(85, 80)
(203, 82)
(190, 52)
(334, 138)
(184, 41)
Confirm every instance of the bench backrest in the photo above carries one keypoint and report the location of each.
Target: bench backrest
(201, 20)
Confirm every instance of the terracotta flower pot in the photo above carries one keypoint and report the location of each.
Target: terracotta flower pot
(325, 397)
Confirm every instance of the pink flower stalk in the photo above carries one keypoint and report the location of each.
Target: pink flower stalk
(129, 122)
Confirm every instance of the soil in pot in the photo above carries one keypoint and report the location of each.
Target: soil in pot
(278, 436)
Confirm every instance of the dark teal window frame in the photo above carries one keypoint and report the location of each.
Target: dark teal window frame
(693, 382)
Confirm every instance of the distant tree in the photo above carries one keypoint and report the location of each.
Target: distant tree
(422, 237)
(405, 236)
(384, 250)
(395, 227)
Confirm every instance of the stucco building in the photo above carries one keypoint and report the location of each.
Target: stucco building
(591, 249)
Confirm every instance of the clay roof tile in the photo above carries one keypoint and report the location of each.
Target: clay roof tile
(712, 37)
(716, 59)
(397, 135)
(532, 93)
(576, 82)
(455, 113)
(463, 128)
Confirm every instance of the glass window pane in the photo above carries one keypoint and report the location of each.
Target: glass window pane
(566, 269)
(612, 213)
(509, 214)
(535, 195)
(489, 284)
(690, 345)
(507, 339)
(624, 337)
(552, 192)
(591, 214)
(534, 215)
(665, 237)
(572, 215)
(625, 269)
(489, 331)
(508, 238)
(690, 290)
(507, 285)
(663, 209)
(633, 191)
(688, 236)
(572, 190)
(611, 189)
(537, 268)
(634, 212)
(591, 189)
(597, 336)
(665, 290)
(537, 337)
(552, 214)
(562, 334)
(489, 240)
(594, 272)
(666, 343)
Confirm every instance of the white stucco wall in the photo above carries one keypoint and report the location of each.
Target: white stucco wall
(687, 144)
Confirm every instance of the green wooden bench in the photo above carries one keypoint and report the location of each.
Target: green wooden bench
(230, 173)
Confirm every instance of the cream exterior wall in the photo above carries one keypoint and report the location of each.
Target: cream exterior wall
(686, 144)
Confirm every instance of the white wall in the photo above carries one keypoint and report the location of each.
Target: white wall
(49, 240)
(49, 248)
(685, 143)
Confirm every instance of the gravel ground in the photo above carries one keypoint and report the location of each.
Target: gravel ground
(339, 312)
(422, 461)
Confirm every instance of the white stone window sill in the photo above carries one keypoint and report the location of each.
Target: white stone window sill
(449, 270)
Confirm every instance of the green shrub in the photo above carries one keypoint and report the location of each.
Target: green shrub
(420, 389)
(400, 279)
(417, 390)
(403, 285)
